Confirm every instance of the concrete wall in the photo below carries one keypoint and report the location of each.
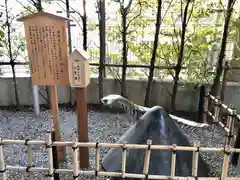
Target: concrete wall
(187, 98)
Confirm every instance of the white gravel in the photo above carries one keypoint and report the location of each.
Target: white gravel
(212, 137)
(23, 124)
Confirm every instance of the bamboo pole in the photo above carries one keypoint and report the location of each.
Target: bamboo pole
(50, 157)
(205, 108)
(30, 160)
(225, 165)
(111, 145)
(230, 125)
(173, 163)
(195, 160)
(217, 109)
(97, 162)
(2, 164)
(124, 149)
(75, 163)
(147, 158)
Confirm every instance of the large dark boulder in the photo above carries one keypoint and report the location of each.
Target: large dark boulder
(158, 126)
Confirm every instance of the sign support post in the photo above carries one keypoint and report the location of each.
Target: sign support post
(82, 121)
(79, 77)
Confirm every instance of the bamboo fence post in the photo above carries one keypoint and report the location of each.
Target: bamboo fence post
(217, 109)
(30, 159)
(124, 152)
(229, 137)
(173, 163)
(195, 160)
(225, 165)
(147, 158)
(2, 164)
(97, 161)
(235, 155)
(50, 156)
(75, 163)
(206, 102)
(230, 125)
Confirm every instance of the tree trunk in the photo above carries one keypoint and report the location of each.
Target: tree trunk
(180, 58)
(102, 45)
(155, 46)
(84, 22)
(69, 43)
(216, 83)
(11, 55)
(124, 53)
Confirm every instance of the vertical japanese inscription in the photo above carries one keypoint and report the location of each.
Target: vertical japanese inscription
(48, 53)
(37, 51)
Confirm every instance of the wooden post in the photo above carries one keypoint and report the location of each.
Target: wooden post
(79, 77)
(206, 102)
(201, 103)
(55, 115)
(82, 120)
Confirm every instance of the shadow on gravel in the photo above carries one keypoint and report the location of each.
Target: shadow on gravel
(158, 126)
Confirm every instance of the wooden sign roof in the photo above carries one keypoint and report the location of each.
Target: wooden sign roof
(42, 14)
(83, 54)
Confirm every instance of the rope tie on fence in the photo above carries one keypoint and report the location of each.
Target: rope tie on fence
(4, 170)
(51, 175)
(26, 142)
(50, 145)
(146, 176)
(28, 167)
(124, 148)
(226, 151)
(197, 149)
(149, 147)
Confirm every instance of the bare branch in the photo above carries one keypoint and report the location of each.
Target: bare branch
(135, 17)
(25, 7)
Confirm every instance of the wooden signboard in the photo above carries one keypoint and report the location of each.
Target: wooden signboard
(78, 68)
(47, 48)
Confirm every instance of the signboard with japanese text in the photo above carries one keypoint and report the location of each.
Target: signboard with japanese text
(47, 48)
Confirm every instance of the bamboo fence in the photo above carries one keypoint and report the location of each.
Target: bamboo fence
(76, 172)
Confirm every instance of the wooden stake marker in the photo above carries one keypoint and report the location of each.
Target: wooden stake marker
(79, 77)
(47, 52)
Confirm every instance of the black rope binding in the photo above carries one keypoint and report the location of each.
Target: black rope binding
(26, 142)
(3, 171)
(51, 175)
(74, 148)
(96, 173)
(28, 167)
(149, 147)
(74, 177)
(196, 177)
(124, 148)
(146, 176)
(226, 151)
(97, 144)
(49, 146)
(197, 149)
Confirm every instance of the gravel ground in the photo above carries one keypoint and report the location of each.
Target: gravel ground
(23, 124)
(214, 137)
